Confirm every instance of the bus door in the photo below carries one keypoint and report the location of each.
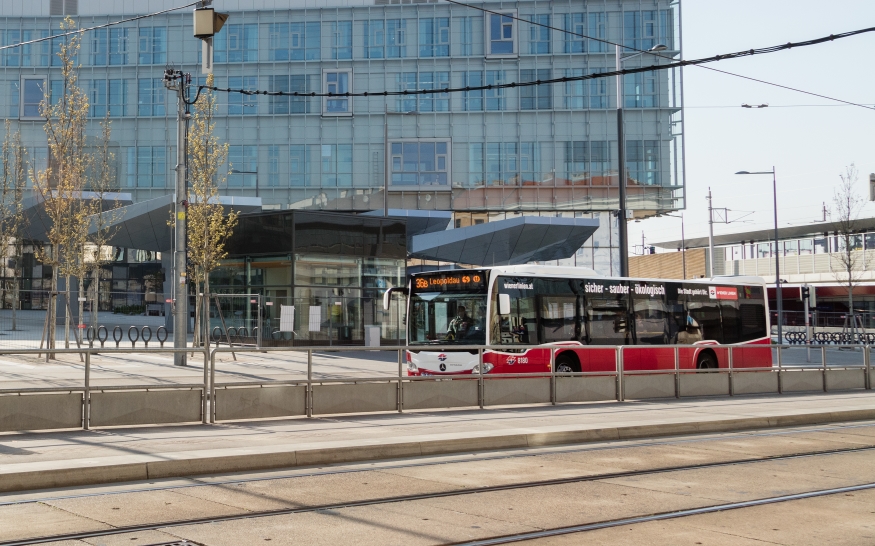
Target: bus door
(606, 322)
(650, 328)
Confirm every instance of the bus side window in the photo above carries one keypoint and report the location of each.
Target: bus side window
(753, 320)
(559, 318)
(731, 321)
(607, 321)
(707, 315)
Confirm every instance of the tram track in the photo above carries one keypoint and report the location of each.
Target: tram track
(120, 530)
(451, 459)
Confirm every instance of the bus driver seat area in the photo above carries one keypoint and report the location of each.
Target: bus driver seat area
(691, 334)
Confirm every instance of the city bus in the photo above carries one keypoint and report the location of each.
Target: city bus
(566, 309)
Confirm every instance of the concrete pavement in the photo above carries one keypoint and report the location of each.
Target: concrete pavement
(58, 459)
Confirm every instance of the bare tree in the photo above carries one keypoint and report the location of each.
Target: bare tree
(849, 259)
(12, 217)
(208, 226)
(105, 212)
(60, 184)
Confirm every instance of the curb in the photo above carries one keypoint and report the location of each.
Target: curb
(92, 472)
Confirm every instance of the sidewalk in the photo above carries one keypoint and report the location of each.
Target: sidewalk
(58, 459)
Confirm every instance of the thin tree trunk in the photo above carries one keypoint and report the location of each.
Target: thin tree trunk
(15, 297)
(67, 312)
(206, 314)
(95, 298)
(53, 313)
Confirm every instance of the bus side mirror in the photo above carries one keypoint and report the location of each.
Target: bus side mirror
(387, 296)
(504, 304)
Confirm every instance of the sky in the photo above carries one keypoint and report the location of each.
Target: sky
(808, 146)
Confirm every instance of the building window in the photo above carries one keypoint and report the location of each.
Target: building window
(539, 34)
(495, 98)
(298, 172)
(420, 163)
(504, 163)
(150, 97)
(412, 81)
(501, 36)
(337, 82)
(434, 37)
(146, 167)
(37, 54)
(236, 44)
(109, 46)
(642, 162)
(273, 166)
(588, 162)
(583, 94)
(536, 97)
(153, 45)
(341, 40)
(294, 42)
(465, 26)
(385, 39)
(240, 104)
(336, 160)
(286, 104)
(32, 93)
(243, 166)
(640, 90)
(579, 25)
(644, 29)
(107, 97)
(472, 101)
(64, 7)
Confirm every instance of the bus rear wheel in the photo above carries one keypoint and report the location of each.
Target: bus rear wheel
(706, 361)
(566, 364)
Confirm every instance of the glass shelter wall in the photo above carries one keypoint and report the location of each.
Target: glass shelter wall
(332, 268)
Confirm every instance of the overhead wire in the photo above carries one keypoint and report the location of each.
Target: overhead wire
(656, 54)
(599, 75)
(82, 30)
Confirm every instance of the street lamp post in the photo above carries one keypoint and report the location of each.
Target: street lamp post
(778, 295)
(621, 158)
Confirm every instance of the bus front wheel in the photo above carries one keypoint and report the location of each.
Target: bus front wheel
(565, 363)
(706, 361)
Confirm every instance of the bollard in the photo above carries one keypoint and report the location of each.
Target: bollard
(86, 410)
(161, 340)
(131, 338)
(117, 335)
(102, 339)
(143, 332)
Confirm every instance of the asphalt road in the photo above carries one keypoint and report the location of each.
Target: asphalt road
(471, 498)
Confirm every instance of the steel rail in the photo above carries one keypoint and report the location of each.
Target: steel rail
(661, 516)
(451, 459)
(435, 495)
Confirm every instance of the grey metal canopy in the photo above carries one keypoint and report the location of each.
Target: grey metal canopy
(506, 242)
(418, 221)
(144, 226)
(38, 222)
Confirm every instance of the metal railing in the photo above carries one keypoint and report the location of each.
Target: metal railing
(310, 395)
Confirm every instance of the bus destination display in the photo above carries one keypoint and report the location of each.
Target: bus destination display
(455, 280)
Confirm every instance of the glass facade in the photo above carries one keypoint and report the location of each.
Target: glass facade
(333, 268)
(540, 150)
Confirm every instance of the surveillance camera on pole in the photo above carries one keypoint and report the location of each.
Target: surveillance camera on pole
(207, 23)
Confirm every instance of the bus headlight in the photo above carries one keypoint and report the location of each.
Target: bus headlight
(487, 367)
(411, 367)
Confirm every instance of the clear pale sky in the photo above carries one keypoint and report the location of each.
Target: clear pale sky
(808, 146)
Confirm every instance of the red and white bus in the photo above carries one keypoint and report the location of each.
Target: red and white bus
(570, 308)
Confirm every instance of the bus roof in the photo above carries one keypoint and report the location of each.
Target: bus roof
(533, 270)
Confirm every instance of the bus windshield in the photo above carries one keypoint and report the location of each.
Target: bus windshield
(442, 318)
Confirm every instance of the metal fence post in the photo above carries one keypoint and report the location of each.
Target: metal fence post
(308, 397)
(621, 396)
(823, 366)
(480, 385)
(213, 385)
(780, 374)
(208, 390)
(867, 360)
(677, 373)
(86, 403)
(731, 390)
(400, 388)
(552, 376)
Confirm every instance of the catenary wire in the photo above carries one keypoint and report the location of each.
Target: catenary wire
(113, 23)
(447, 90)
(648, 52)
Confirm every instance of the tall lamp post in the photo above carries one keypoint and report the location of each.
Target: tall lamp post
(621, 157)
(777, 264)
